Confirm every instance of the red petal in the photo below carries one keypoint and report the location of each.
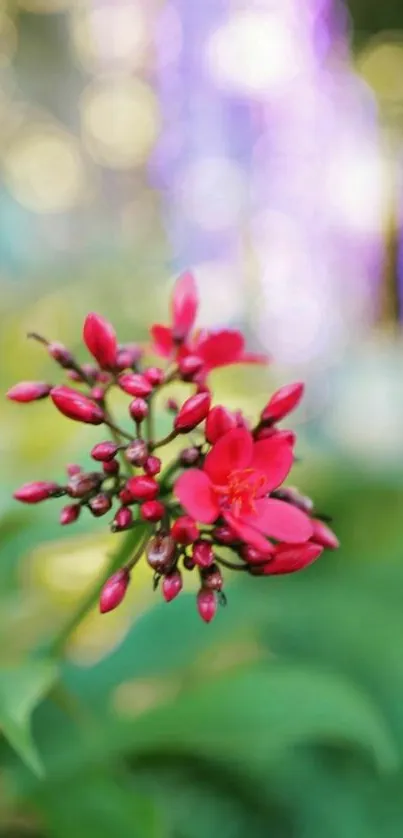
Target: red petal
(184, 306)
(247, 533)
(221, 348)
(324, 535)
(232, 451)
(280, 520)
(253, 358)
(194, 491)
(162, 340)
(274, 457)
(290, 559)
(100, 339)
(219, 422)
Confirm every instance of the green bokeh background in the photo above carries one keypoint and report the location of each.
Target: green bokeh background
(282, 718)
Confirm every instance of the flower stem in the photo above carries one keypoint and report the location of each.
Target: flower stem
(171, 436)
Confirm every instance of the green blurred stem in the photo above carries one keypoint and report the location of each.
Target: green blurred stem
(117, 560)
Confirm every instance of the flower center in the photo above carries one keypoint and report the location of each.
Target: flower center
(240, 493)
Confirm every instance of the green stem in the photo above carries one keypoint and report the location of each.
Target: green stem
(171, 436)
(116, 561)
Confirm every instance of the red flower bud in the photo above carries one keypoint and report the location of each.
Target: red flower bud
(323, 535)
(292, 495)
(172, 585)
(152, 466)
(38, 491)
(98, 393)
(172, 405)
(184, 530)
(282, 402)
(202, 553)
(154, 375)
(114, 591)
(81, 484)
(189, 456)
(29, 391)
(135, 384)
(100, 505)
(189, 366)
(69, 514)
(218, 422)
(138, 409)
(128, 355)
(152, 510)
(206, 604)
(100, 339)
(288, 558)
(73, 469)
(212, 578)
(184, 306)
(224, 535)
(142, 487)
(253, 556)
(76, 406)
(160, 552)
(111, 468)
(122, 520)
(126, 497)
(60, 354)
(137, 452)
(192, 412)
(104, 451)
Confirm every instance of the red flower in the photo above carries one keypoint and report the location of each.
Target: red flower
(237, 476)
(100, 338)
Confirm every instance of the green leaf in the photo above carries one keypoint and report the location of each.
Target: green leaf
(21, 689)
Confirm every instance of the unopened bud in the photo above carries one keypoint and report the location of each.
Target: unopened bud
(135, 384)
(114, 591)
(29, 391)
(100, 339)
(282, 402)
(192, 412)
(142, 487)
(172, 405)
(100, 504)
(160, 552)
(206, 604)
(212, 578)
(189, 456)
(83, 483)
(152, 510)
(152, 465)
(155, 375)
(60, 354)
(137, 452)
(138, 409)
(128, 355)
(189, 366)
(73, 469)
(126, 497)
(111, 468)
(76, 406)
(203, 554)
(224, 535)
(184, 530)
(172, 585)
(122, 520)
(98, 393)
(38, 491)
(69, 514)
(292, 495)
(104, 451)
(253, 556)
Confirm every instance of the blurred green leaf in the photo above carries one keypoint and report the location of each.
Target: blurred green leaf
(21, 689)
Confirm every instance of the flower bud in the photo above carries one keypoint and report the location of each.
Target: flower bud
(100, 339)
(218, 422)
(212, 578)
(172, 585)
(289, 558)
(189, 366)
(189, 456)
(224, 535)
(184, 306)
(152, 510)
(323, 535)
(122, 520)
(111, 468)
(28, 391)
(192, 412)
(160, 552)
(155, 375)
(142, 487)
(60, 354)
(100, 504)
(135, 384)
(76, 406)
(137, 452)
(126, 497)
(98, 393)
(172, 405)
(282, 402)
(188, 563)
(83, 483)
(72, 469)
(69, 514)
(138, 409)
(202, 553)
(292, 495)
(206, 604)
(114, 591)
(253, 556)
(184, 530)
(127, 356)
(38, 491)
(269, 432)
(152, 465)
(103, 452)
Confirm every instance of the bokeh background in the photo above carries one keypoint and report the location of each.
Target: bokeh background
(258, 142)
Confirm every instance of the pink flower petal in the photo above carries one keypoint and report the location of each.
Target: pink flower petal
(253, 358)
(246, 533)
(184, 306)
(274, 457)
(232, 451)
(280, 520)
(220, 349)
(162, 340)
(194, 491)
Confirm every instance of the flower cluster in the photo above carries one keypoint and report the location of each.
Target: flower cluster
(223, 491)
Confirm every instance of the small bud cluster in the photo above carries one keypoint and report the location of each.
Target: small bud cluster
(222, 492)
